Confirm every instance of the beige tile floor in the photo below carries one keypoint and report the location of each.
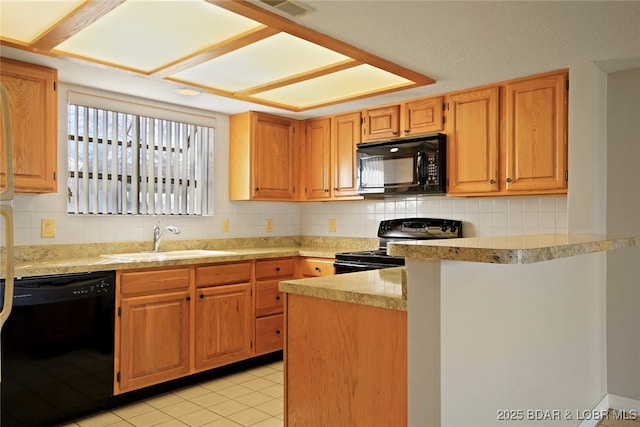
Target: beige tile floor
(249, 398)
(631, 419)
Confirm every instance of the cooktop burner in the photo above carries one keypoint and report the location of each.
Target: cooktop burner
(397, 230)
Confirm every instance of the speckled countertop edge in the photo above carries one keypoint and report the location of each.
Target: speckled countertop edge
(39, 260)
(524, 249)
(385, 288)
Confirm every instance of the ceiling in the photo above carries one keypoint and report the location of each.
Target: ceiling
(458, 44)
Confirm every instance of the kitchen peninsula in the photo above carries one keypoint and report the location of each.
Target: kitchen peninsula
(505, 328)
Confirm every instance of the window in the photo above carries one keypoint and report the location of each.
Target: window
(127, 163)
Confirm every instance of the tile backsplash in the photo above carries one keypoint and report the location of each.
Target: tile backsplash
(490, 216)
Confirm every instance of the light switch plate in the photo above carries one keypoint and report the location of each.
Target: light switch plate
(332, 225)
(225, 225)
(48, 228)
(269, 225)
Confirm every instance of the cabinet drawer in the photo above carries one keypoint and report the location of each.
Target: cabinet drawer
(154, 281)
(268, 298)
(223, 274)
(269, 333)
(273, 268)
(312, 267)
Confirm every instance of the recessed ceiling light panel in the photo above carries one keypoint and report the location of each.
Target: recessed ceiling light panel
(271, 59)
(354, 82)
(147, 35)
(22, 22)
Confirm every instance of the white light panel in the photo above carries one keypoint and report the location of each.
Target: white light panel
(146, 35)
(352, 82)
(24, 21)
(267, 60)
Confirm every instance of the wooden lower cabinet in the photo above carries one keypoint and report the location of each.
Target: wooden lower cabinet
(316, 267)
(269, 302)
(223, 325)
(173, 322)
(269, 333)
(152, 330)
(345, 364)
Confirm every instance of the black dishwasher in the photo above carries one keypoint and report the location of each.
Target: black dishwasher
(57, 349)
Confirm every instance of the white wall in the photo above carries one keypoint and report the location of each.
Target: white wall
(623, 216)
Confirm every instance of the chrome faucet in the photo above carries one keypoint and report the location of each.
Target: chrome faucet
(157, 234)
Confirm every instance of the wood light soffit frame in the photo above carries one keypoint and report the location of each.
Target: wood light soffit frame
(228, 48)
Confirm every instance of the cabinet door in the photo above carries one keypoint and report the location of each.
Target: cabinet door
(422, 116)
(381, 123)
(472, 141)
(273, 158)
(223, 328)
(154, 336)
(346, 135)
(536, 133)
(33, 101)
(318, 158)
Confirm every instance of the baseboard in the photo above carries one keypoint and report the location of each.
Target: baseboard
(610, 401)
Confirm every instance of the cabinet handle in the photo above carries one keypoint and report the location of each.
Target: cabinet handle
(257, 188)
(201, 296)
(407, 131)
(395, 132)
(278, 331)
(277, 297)
(317, 268)
(188, 298)
(326, 190)
(335, 188)
(277, 268)
(492, 181)
(509, 180)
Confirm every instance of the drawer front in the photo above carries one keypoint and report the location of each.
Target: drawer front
(268, 298)
(269, 331)
(312, 267)
(272, 268)
(153, 281)
(223, 274)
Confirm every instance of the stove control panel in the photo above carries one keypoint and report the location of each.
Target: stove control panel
(420, 228)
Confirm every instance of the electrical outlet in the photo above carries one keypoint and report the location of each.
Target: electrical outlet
(225, 225)
(48, 228)
(332, 225)
(269, 225)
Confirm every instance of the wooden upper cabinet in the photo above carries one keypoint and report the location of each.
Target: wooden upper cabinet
(263, 157)
(535, 142)
(330, 151)
(472, 141)
(423, 116)
(318, 159)
(381, 123)
(33, 101)
(510, 138)
(345, 136)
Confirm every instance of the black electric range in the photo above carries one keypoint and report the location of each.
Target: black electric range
(397, 230)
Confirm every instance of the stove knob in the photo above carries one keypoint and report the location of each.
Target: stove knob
(444, 228)
(453, 229)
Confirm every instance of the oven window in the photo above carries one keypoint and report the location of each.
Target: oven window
(377, 171)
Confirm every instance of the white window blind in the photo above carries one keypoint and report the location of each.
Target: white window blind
(126, 163)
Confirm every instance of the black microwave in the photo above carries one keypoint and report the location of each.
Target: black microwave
(402, 166)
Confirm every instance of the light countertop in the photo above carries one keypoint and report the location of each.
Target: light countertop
(523, 249)
(384, 288)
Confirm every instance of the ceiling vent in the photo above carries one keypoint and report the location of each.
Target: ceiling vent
(289, 7)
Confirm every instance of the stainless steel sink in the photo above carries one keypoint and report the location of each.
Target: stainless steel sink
(166, 255)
